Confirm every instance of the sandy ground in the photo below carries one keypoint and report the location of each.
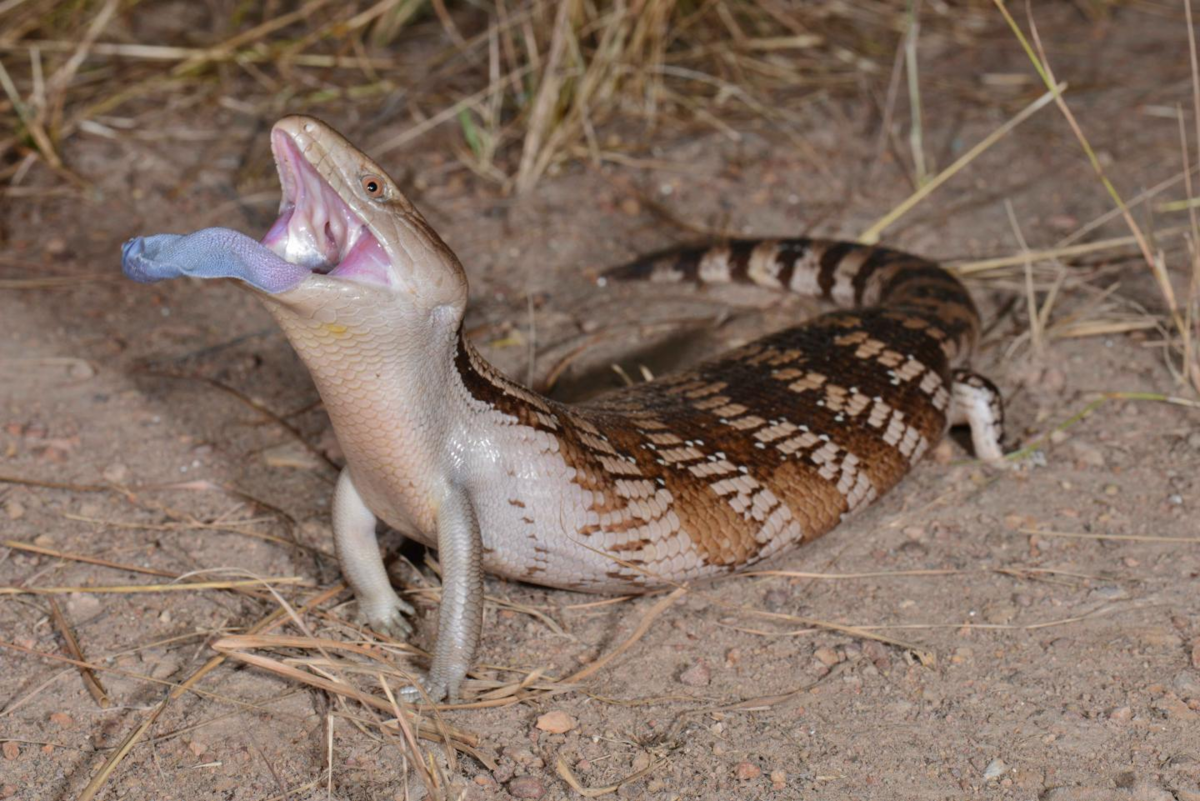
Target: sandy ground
(1065, 668)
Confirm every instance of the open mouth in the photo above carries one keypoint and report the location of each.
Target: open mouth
(316, 229)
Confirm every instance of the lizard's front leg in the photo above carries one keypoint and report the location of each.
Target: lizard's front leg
(358, 554)
(460, 618)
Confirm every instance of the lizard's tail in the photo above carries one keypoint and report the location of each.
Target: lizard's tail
(846, 273)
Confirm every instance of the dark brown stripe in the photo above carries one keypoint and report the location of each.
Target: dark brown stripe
(492, 391)
(879, 258)
(686, 260)
(739, 259)
(788, 253)
(830, 259)
(925, 282)
(688, 263)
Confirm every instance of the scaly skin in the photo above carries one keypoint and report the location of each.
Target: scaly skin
(693, 475)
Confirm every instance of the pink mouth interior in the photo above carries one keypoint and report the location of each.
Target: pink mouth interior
(316, 229)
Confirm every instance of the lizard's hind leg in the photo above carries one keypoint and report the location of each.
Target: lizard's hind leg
(975, 401)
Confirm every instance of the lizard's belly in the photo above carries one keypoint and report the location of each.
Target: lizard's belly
(550, 516)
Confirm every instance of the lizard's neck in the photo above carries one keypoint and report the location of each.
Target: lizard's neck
(390, 389)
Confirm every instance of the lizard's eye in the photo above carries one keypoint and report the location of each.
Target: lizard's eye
(373, 186)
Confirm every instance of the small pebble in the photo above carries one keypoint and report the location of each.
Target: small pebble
(877, 652)
(698, 675)
(1120, 713)
(526, 787)
(778, 780)
(994, 770)
(747, 770)
(826, 656)
(10, 750)
(61, 719)
(1196, 654)
(522, 756)
(556, 722)
(116, 473)
(503, 771)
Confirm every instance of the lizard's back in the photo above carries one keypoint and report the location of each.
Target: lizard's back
(714, 468)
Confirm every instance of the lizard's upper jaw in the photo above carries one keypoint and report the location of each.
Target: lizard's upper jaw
(317, 229)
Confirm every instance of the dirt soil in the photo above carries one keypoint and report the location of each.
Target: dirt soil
(1065, 668)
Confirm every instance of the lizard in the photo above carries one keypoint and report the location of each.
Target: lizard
(689, 476)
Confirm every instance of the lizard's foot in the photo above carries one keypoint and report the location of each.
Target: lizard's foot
(976, 402)
(386, 615)
(433, 691)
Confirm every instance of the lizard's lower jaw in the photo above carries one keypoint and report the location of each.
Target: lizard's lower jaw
(316, 229)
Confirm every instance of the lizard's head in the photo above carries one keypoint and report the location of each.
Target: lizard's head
(346, 237)
(345, 220)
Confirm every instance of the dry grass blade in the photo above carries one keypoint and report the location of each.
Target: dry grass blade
(1036, 326)
(1105, 397)
(533, 161)
(192, 524)
(1058, 253)
(845, 576)
(199, 55)
(128, 589)
(764, 702)
(231, 647)
(872, 234)
(61, 80)
(34, 482)
(449, 113)
(564, 771)
(643, 626)
(410, 740)
(91, 560)
(1045, 624)
(93, 685)
(99, 668)
(1118, 537)
(32, 124)
(296, 792)
(927, 658)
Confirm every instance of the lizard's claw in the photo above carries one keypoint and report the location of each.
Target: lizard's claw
(387, 616)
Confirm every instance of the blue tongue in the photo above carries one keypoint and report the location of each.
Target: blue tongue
(210, 253)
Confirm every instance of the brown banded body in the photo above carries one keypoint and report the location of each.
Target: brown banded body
(718, 467)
